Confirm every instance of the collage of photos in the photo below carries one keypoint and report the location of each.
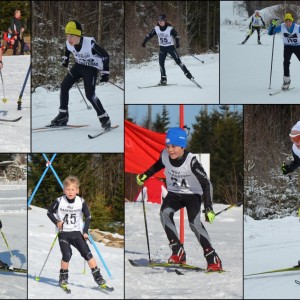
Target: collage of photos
(149, 150)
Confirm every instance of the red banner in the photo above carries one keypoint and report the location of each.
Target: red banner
(142, 148)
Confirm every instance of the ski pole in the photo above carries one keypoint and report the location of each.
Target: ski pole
(37, 278)
(4, 98)
(12, 256)
(271, 61)
(196, 58)
(23, 88)
(76, 83)
(116, 85)
(146, 227)
(232, 205)
(99, 254)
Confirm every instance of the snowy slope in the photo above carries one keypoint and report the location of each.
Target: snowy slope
(13, 214)
(45, 108)
(245, 69)
(226, 234)
(41, 234)
(15, 137)
(271, 245)
(206, 74)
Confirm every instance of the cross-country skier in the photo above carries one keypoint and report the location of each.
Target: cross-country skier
(166, 34)
(3, 265)
(291, 40)
(256, 23)
(295, 138)
(187, 186)
(89, 58)
(66, 213)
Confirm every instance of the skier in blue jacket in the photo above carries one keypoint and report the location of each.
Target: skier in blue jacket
(290, 32)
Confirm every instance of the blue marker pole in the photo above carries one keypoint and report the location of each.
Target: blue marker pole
(41, 179)
(99, 254)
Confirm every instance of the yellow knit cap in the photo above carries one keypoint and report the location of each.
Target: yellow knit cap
(288, 16)
(74, 28)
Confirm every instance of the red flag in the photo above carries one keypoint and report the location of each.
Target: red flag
(142, 148)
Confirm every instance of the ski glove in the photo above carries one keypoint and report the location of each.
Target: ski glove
(285, 169)
(140, 179)
(65, 61)
(177, 45)
(0, 224)
(209, 214)
(143, 44)
(104, 78)
(275, 22)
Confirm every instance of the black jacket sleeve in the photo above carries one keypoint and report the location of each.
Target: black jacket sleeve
(175, 36)
(199, 172)
(52, 211)
(149, 36)
(156, 167)
(87, 215)
(292, 166)
(101, 52)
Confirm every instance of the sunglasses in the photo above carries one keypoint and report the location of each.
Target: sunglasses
(295, 138)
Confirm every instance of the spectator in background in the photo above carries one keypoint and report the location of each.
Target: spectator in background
(17, 27)
(8, 39)
(153, 190)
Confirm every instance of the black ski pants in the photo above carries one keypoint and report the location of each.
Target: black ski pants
(163, 52)
(89, 75)
(287, 54)
(74, 238)
(192, 202)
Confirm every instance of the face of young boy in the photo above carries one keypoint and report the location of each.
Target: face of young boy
(73, 39)
(71, 191)
(174, 151)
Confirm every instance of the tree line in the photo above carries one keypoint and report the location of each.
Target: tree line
(102, 185)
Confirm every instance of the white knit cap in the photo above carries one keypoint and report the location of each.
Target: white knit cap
(296, 127)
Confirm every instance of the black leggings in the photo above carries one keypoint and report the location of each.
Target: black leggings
(163, 52)
(74, 238)
(287, 54)
(89, 75)
(172, 203)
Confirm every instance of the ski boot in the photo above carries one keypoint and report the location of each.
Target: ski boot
(163, 80)
(97, 276)
(63, 277)
(61, 119)
(105, 121)
(214, 263)
(178, 254)
(186, 72)
(3, 265)
(259, 42)
(286, 83)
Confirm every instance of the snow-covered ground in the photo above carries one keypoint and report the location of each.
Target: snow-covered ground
(226, 234)
(41, 234)
(185, 91)
(15, 137)
(13, 214)
(245, 69)
(45, 108)
(271, 245)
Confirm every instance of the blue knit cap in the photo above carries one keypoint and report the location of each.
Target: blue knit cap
(177, 137)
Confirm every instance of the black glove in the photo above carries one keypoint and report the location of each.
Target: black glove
(286, 169)
(65, 61)
(104, 78)
(143, 44)
(177, 45)
(0, 224)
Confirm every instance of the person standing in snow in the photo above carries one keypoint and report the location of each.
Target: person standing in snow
(256, 23)
(187, 186)
(166, 34)
(291, 40)
(295, 138)
(66, 213)
(89, 58)
(18, 29)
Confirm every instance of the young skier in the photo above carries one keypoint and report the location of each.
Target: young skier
(89, 58)
(166, 34)
(187, 186)
(295, 138)
(66, 213)
(291, 40)
(256, 23)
